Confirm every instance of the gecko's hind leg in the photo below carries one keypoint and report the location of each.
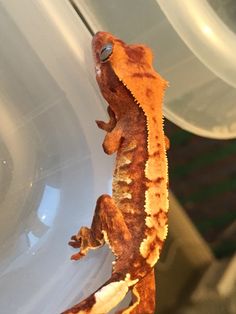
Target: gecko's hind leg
(108, 226)
(143, 297)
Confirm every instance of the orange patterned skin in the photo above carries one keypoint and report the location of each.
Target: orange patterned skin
(133, 222)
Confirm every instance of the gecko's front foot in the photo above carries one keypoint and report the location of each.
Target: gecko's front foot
(84, 240)
(75, 241)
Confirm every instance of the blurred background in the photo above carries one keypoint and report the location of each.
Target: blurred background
(53, 168)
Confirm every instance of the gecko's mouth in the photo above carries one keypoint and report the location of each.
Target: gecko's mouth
(98, 70)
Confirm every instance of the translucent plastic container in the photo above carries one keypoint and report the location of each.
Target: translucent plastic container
(214, 44)
(205, 33)
(52, 167)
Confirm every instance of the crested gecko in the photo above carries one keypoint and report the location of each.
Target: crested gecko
(133, 221)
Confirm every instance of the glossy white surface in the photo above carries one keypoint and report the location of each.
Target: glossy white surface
(205, 33)
(52, 167)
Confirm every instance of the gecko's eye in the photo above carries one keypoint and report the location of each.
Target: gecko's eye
(105, 52)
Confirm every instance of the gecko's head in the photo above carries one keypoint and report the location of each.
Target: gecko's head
(116, 62)
(108, 49)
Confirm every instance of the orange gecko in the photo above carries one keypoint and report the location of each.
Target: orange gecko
(133, 221)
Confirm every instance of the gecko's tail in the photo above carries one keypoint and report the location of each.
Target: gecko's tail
(106, 297)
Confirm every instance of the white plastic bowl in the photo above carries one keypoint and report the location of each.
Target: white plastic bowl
(205, 33)
(211, 109)
(52, 167)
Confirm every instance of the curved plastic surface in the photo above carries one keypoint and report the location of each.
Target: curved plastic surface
(201, 102)
(205, 33)
(52, 167)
